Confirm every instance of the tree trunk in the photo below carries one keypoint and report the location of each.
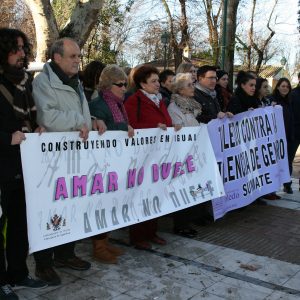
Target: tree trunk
(230, 38)
(45, 26)
(82, 20)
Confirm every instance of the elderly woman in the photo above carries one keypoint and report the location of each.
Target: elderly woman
(109, 108)
(183, 108)
(146, 109)
(183, 111)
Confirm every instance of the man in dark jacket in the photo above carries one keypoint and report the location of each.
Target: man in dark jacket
(17, 115)
(206, 95)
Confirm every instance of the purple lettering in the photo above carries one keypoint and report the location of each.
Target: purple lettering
(155, 173)
(190, 164)
(79, 183)
(112, 181)
(177, 169)
(131, 178)
(97, 184)
(141, 176)
(165, 170)
(61, 188)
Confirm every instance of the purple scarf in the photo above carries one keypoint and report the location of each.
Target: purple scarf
(116, 107)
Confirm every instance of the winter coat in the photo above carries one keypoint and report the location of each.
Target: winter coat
(10, 157)
(143, 113)
(241, 102)
(100, 110)
(287, 115)
(295, 108)
(179, 118)
(210, 106)
(166, 94)
(59, 107)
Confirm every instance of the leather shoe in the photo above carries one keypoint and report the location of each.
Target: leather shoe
(74, 263)
(143, 245)
(48, 275)
(158, 240)
(287, 189)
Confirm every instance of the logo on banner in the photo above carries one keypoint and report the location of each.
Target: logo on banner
(56, 222)
(203, 190)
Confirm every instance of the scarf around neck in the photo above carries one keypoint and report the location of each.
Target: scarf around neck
(209, 92)
(73, 81)
(116, 106)
(187, 105)
(154, 98)
(18, 94)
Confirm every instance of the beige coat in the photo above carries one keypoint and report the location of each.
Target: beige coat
(59, 107)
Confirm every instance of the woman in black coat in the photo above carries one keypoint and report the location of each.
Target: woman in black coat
(280, 96)
(244, 96)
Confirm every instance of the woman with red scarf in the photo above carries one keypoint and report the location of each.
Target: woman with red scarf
(109, 107)
(146, 109)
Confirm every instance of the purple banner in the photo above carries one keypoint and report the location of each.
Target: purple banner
(251, 153)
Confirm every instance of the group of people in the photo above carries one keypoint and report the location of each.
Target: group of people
(105, 98)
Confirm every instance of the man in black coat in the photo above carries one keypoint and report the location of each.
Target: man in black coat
(17, 116)
(206, 95)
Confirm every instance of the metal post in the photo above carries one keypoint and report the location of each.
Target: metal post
(165, 56)
(165, 40)
(224, 34)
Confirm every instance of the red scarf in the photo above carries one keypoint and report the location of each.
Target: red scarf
(116, 106)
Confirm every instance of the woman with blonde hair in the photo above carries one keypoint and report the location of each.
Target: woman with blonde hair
(109, 107)
(187, 67)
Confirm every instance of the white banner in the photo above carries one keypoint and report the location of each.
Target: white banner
(77, 189)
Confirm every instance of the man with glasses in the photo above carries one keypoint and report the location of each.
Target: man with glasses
(206, 95)
(62, 106)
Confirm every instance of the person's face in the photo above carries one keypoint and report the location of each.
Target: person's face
(283, 88)
(152, 84)
(193, 71)
(70, 60)
(249, 87)
(118, 88)
(188, 89)
(223, 81)
(168, 83)
(209, 80)
(264, 89)
(16, 58)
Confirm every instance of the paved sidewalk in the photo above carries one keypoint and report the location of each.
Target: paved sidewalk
(193, 269)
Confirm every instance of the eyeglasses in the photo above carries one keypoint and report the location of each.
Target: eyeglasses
(121, 84)
(211, 78)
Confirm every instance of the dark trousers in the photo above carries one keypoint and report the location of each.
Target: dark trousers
(144, 231)
(44, 258)
(292, 147)
(13, 268)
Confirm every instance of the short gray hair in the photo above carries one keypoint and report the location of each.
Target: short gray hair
(109, 75)
(179, 82)
(58, 47)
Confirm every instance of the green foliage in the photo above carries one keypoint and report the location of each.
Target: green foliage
(99, 45)
(62, 10)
